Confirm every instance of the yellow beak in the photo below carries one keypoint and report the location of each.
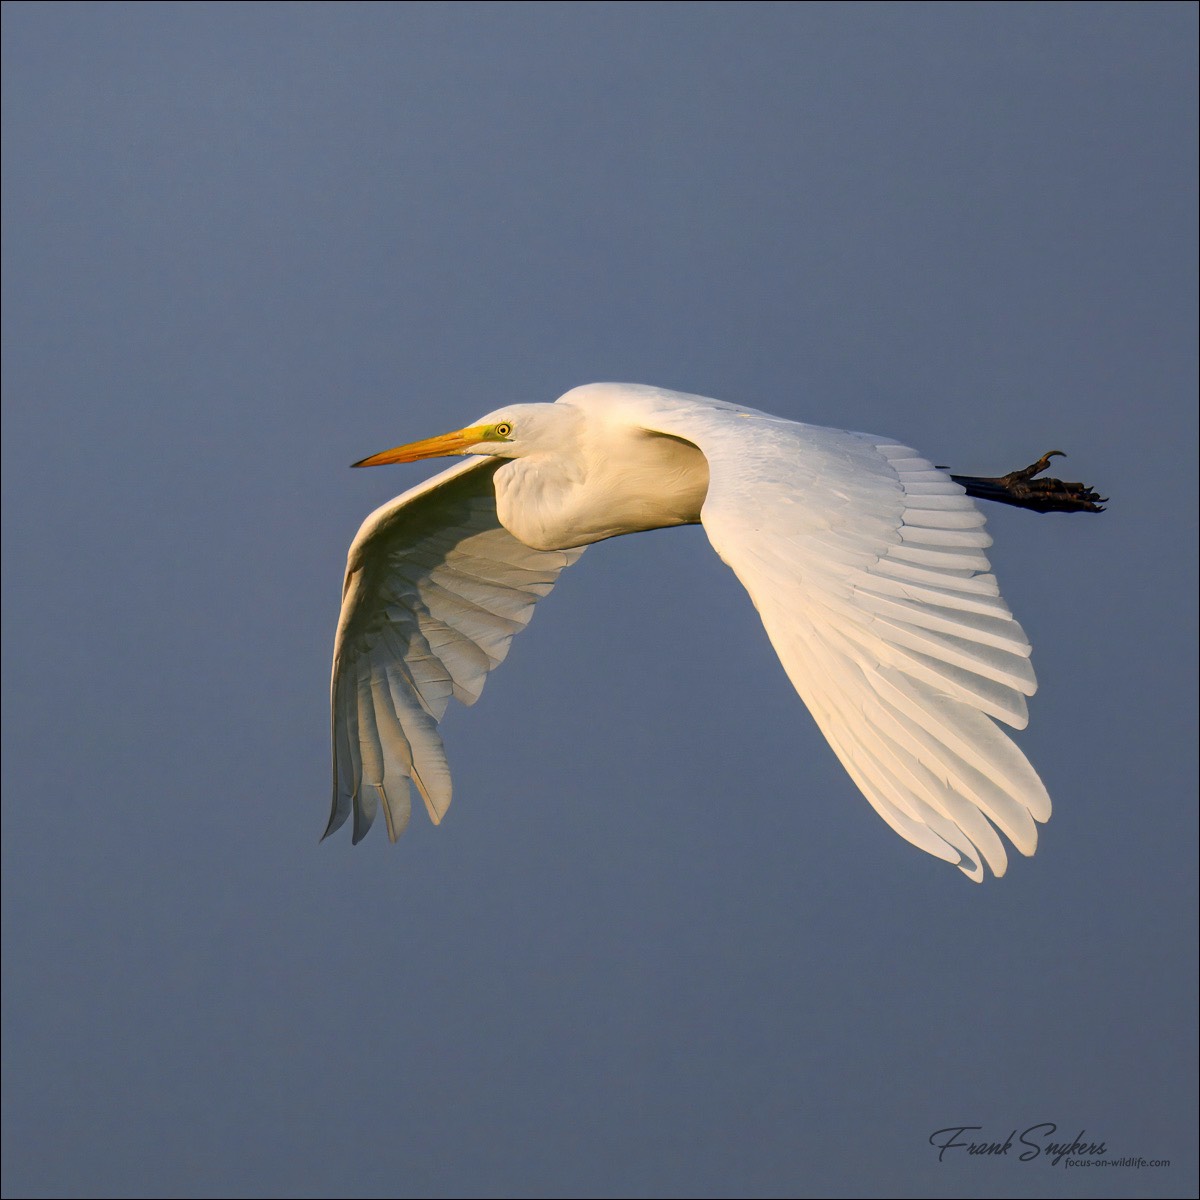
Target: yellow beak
(436, 447)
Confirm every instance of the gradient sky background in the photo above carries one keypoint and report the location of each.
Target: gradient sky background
(660, 946)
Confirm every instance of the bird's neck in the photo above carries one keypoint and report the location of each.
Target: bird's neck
(555, 502)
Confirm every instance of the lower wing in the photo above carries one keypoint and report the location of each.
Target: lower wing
(435, 590)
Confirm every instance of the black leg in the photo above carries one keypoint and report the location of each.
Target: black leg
(1042, 495)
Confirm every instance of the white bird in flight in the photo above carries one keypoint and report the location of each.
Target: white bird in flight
(865, 562)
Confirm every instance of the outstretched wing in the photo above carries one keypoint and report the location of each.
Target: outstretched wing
(867, 566)
(435, 590)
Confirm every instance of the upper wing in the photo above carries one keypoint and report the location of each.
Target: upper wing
(435, 589)
(867, 566)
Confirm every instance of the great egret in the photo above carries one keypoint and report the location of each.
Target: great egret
(865, 562)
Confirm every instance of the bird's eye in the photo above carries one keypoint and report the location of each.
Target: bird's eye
(503, 429)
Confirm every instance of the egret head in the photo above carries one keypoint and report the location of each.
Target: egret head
(511, 432)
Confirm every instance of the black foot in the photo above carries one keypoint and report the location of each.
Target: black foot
(1042, 495)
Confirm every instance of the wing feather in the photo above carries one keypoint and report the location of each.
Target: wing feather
(435, 590)
(867, 566)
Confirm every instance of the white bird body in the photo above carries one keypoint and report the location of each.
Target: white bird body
(865, 563)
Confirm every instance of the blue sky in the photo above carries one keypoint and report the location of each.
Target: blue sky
(660, 946)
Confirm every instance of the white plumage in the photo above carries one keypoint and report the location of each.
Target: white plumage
(865, 563)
